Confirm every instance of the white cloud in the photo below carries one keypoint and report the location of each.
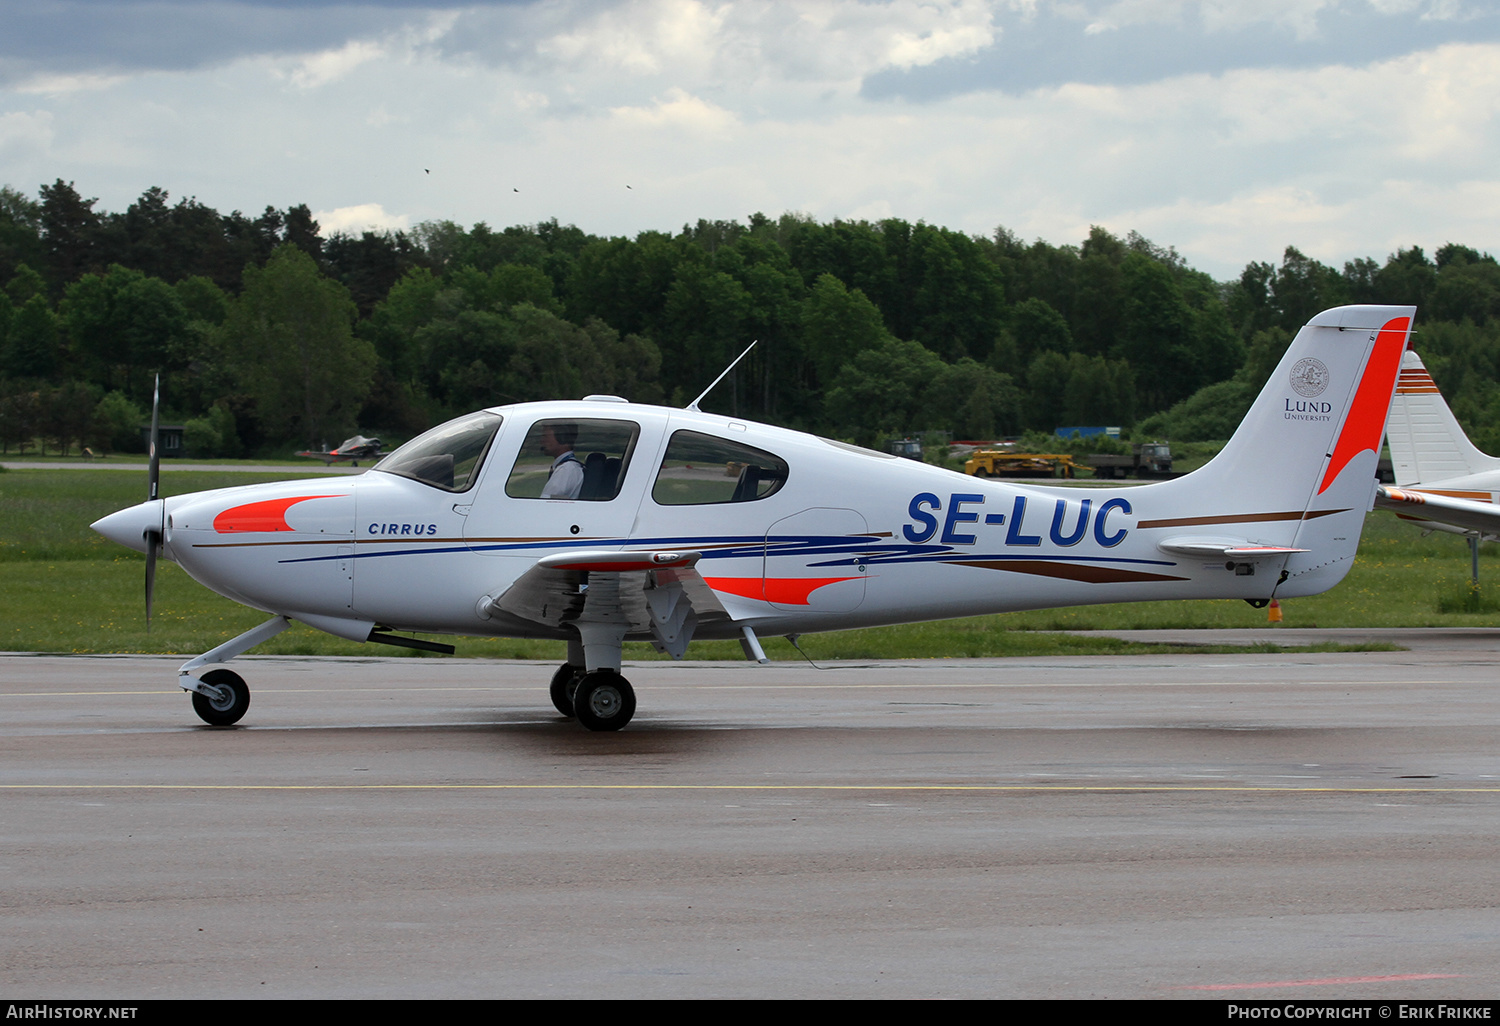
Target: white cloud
(64, 85)
(360, 218)
(716, 110)
(697, 42)
(642, 37)
(27, 133)
(1300, 16)
(320, 69)
(679, 111)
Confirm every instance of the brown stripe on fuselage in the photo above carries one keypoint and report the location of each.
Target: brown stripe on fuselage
(1239, 518)
(1089, 573)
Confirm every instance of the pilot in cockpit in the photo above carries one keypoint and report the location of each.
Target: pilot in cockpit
(565, 480)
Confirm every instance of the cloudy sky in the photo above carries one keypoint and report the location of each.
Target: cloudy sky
(1226, 128)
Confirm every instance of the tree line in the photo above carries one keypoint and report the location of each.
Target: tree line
(269, 334)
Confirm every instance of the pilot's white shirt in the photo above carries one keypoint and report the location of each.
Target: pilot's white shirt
(566, 479)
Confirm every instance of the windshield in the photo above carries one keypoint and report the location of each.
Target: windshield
(448, 455)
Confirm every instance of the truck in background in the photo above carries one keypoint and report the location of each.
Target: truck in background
(1145, 459)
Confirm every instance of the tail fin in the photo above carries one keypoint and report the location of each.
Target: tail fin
(1300, 471)
(1427, 444)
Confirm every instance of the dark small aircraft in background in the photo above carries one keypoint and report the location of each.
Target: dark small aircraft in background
(353, 449)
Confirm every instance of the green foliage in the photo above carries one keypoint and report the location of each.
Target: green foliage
(902, 387)
(215, 435)
(124, 326)
(1036, 326)
(839, 323)
(1468, 597)
(117, 425)
(25, 284)
(289, 338)
(1110, 330)
(1213, 412)
(32, 345)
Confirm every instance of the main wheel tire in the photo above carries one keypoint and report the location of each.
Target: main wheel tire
(604, 700)
(225, 711)
(564, 683)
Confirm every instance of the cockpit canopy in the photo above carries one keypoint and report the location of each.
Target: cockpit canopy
(448, 455)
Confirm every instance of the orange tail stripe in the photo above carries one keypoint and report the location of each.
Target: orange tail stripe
(1366, 421)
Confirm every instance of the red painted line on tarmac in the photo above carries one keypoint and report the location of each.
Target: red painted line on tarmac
(1324, 983)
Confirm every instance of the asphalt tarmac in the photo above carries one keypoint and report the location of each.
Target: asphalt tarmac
(1250, 827)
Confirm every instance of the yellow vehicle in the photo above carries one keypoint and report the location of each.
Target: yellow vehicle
(999, 463)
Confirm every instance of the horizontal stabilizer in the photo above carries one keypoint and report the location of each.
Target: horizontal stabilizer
(1466, 514)
(1220, 548)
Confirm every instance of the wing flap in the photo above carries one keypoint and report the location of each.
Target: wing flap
(658, 596)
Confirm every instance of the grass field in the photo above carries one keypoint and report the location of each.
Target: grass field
(65, 589)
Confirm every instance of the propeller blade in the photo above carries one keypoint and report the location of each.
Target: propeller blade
(154, 475)
(153, 489)
(152, 541)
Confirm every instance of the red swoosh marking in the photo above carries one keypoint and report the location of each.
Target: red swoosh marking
(266, 515)
(1366, 420)
(785, 591)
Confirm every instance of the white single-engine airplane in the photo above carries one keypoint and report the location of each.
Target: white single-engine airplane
(690, 525)
(1442, 480)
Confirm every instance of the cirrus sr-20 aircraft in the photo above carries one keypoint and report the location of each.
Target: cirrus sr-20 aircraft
(670, 525)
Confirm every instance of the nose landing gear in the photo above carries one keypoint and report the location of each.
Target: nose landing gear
(231, 704)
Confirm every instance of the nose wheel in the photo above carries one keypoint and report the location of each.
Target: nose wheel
(230, 704)
(604, 700)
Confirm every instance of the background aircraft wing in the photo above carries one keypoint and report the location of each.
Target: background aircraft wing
(1441, 510)
(657, 594)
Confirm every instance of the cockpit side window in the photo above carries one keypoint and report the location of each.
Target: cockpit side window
(447, 456)
(582, 459)
(700, 469)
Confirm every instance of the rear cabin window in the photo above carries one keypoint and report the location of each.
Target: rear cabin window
(447, 456)
(573, 459)
(700, 469)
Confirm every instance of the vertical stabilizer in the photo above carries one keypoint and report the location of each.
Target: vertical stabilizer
(1300, 470)
(1427, 443)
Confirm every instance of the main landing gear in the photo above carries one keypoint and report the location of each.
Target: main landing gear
(601, 699)
(564, 684)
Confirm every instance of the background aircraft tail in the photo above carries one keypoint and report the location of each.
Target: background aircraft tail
(1300, 470)
(1427, 443)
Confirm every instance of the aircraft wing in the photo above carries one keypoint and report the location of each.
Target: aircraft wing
(1441, 510)
(659, 594)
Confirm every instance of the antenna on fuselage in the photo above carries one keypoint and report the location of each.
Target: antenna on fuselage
(694, 404)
